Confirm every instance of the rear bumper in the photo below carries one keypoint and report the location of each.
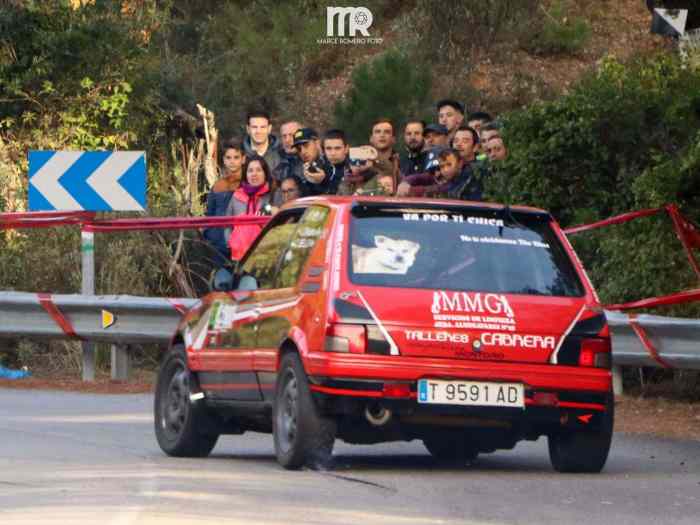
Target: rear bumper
(350, 384)
(373, 368)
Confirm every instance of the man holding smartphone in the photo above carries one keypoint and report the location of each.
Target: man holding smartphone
(307, 146)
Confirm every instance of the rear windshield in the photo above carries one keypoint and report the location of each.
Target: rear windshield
(467, 249)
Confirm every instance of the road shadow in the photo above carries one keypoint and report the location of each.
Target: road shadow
(629, 456)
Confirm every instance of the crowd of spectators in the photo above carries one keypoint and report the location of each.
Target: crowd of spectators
(456, 158)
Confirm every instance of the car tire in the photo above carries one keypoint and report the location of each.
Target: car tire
(583, 451)
(301, 434)
(450, 447)
(183, 428)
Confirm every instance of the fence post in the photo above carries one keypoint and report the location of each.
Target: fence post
(120, 362)
(87, 250)
(617, 380)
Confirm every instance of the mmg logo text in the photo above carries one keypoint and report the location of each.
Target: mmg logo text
(360, 21)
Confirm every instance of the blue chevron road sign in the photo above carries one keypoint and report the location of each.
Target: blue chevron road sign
(87, 180)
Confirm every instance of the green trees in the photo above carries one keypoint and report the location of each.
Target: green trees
(390, 86)
(625, 138)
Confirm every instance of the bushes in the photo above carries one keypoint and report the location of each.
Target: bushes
(625, 138)
(558, 32)
(391, 86)
(449, 29)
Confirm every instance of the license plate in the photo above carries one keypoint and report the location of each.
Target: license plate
(471, 393)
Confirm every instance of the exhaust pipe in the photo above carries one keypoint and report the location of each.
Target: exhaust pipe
(377, 415)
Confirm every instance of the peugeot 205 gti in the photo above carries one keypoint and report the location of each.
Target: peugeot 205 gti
(468, 326)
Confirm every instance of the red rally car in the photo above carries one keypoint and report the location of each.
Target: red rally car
(469, 326)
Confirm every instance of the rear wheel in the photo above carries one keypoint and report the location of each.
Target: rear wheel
(452, 447)
(182, 427)
(583, 451)
(302, 436)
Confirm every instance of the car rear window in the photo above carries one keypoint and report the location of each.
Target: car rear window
(460, 248)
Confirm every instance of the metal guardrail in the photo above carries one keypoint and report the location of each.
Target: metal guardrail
(136, 319)
(670, 342)
(675, 341)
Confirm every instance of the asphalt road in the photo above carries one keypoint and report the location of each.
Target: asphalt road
(84, 458)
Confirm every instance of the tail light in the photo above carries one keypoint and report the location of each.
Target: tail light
(595, 352)
(347, 338)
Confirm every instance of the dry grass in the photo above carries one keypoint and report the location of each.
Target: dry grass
(658, 416)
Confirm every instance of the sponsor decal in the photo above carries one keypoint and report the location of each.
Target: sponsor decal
(484, 311)
(536, 342)
(452, 217)
(223, 316)
(435, 337)
(501, 240)
(480, 356)
(389, 256)
(337, 256)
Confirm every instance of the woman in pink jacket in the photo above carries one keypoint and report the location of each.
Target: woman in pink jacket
(253, 197)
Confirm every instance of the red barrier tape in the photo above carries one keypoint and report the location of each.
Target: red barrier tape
(687, 233)
(42, 219)
(86, 219)
(48, 305)
(618, 219)
(178, 306)
(666, 300)
(647, 342)
(172, 223)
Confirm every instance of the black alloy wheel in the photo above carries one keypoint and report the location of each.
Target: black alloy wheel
(183, 427)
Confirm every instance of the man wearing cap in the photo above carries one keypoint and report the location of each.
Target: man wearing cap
(450, 115)
(435, 136)
(310, 172)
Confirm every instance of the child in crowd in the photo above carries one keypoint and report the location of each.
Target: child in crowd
(220, 195)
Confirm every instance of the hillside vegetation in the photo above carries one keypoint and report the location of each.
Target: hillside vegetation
(599, 116)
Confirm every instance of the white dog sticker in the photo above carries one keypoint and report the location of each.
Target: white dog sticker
(394, 256)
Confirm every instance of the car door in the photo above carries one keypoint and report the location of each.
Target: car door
(227, 357)
(280, 307)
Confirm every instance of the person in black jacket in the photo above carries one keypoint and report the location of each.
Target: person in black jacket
(290, 163)
(310, 173)
(457, 178)
(413, 160)
(336, 162)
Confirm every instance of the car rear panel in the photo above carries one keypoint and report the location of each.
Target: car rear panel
(470, 331)
(471, 325)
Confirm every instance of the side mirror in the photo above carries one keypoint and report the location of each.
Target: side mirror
(223, 280)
